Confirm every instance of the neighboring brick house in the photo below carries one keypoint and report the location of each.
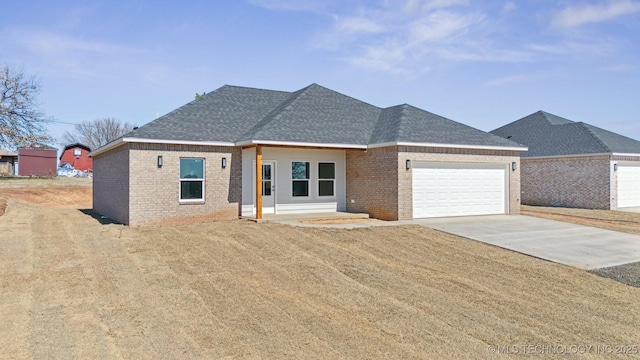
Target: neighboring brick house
(77, 155)
(243, 152)
(573, 164)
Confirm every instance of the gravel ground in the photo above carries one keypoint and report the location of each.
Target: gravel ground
(627, 274)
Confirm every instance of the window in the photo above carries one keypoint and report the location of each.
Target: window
(77, 152)
(191, 179)
(300, 178)
(266, 180)
(326, 179)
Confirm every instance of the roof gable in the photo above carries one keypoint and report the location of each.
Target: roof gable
(550, 135)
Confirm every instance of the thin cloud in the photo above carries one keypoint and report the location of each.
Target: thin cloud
(291, 5)
(413, 6)
(593, 47)
(507, 80)
(358, 25)
(68, 56)
(578, 15)
(508, 7)
(46, 43)
(403, 38)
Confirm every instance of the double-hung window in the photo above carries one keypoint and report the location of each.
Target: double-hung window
(300, 178)
(326, 179)
(191, 179)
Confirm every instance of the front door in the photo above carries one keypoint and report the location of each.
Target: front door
(268, 187)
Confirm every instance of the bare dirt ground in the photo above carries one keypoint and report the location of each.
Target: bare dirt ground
(72, 287)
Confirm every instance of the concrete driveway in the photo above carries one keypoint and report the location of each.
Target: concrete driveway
(565, 243)
(630, 209)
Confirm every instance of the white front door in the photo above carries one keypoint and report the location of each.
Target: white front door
(268, 187)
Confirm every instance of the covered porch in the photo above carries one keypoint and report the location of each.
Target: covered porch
(279, 180)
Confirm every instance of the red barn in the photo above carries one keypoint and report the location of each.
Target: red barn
(76, 156)
(37, 160)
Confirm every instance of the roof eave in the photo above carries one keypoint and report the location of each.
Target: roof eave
(453, 146)
(123, 140)
(300, 144)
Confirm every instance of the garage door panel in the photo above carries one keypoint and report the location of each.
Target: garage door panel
(457, 190)
(628, 186)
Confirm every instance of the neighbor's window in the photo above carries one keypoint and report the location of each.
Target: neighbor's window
(326, 179)
(77, 152)
(191, 179)
(300, 178)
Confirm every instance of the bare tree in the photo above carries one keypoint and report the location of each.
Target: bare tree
(21, 120)
(96, 133)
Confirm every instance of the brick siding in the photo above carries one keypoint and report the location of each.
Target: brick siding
(380, 184)
(582, 182)
(111, 184)
(132, 189)
(372, 182)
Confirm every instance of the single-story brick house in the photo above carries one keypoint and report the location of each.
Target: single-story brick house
(573, 164)
(241, 151)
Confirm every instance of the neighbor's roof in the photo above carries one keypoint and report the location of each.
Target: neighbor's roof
(76, 145)
(5, 152)
(550, 135)
(314, 115)
(36, 146)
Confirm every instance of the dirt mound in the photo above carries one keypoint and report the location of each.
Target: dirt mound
(51, 196)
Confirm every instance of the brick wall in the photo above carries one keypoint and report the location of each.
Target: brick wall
(111, 184)
(405, 178)
(372, 182)
(154, 191)
(583, 182)
(380, 184)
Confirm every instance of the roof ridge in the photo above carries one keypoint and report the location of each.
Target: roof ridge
(248, 88)
(401, 122)
(278, 110)
(586, 127)
(547, 117)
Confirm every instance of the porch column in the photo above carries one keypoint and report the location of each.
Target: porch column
(259, 182)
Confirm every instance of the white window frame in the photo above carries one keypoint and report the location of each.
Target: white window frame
(180, 180)
(77, 152)
(333, 180)
(308, 180)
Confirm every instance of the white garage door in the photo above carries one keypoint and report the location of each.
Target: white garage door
(448, 189)
(628, 185)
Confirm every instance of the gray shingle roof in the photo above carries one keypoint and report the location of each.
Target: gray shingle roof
(223, 115)
(549, 135)
(406, 123)
(313, 114)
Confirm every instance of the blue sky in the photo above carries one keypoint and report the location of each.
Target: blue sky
(482, 63)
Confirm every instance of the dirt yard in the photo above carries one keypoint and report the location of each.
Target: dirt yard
(72, 287)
